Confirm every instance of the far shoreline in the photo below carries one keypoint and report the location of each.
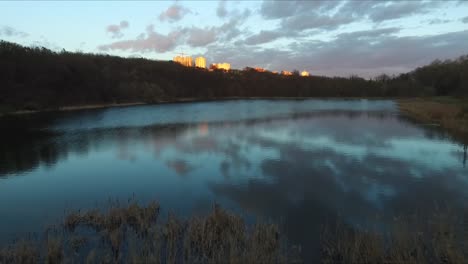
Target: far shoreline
(180, 100)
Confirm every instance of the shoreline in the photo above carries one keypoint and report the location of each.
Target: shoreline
(70, 108)
(450, 115)
(180, 100)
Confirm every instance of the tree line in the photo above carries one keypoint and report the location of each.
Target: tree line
(35, 78)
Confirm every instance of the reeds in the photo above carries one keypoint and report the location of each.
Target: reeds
(449, 114)
(440, 238)
(133, 234)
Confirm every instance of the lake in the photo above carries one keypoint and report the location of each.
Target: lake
(299, 163)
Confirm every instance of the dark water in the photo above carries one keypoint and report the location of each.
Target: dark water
(298, 163)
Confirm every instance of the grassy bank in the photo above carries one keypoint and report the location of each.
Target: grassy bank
(450, 113)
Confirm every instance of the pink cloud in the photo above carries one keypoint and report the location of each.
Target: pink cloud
(174, 13)
(116, 30)
(151, 41)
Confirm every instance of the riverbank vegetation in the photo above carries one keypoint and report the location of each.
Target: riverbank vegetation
(137, 234)
(37, 79)
(450, 113)
(439, 238)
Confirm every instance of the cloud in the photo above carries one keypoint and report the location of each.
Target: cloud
(221, 10)
(11, 32)
(400, 9)
(193, 36)
(374, 33)
(285, 9)
(305, 15)
(366, 53)
(230, 30)
(438, 21)
(116, 30)
(370, 53)
(152, 41)
(198, 37)
(263, 36)
(277, 9)
(174, 13)
(379, 11)
(326, 15)
(315, 21)
(465, 20)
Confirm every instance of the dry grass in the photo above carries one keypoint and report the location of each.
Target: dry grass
(54, 250)
(438, 239)
(450, 114)
(135, 216)
(21, 252)
(133, 234)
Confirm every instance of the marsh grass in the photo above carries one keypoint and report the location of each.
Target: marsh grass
(451, 114)
(440, 238)
(21, 252)
(135, 234)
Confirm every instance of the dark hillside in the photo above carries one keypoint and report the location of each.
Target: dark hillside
(37, 78)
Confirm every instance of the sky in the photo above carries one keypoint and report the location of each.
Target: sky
(331, 38)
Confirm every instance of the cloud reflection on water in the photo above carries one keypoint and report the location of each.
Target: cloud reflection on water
(301, 168)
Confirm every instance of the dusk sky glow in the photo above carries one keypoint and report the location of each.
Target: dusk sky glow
(333, 38)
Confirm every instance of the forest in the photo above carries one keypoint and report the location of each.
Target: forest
(36, 78)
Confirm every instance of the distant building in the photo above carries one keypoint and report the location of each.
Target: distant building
(184, 60)
(200, 62)
(286, 73)
(305, 73)
(221, 66)
(257, 69)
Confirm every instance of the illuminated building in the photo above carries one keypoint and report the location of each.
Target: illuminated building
(305, 73)
(221, 66)
(286, 72)
(200, 62)
(184, 60)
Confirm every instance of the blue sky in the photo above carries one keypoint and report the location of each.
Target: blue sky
(324, 37)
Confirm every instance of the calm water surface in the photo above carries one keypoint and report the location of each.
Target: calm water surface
(298, 163)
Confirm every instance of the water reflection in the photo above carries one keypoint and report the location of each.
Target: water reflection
(464, 155)
(300, 163)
